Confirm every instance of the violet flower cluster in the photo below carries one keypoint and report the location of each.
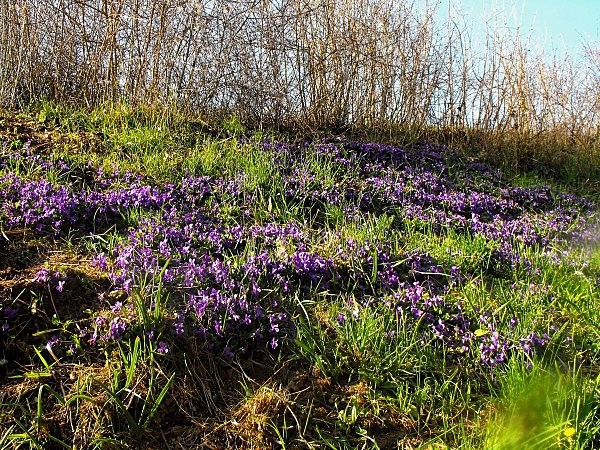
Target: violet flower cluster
(198, 264)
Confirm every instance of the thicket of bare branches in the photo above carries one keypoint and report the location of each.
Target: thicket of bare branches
(364, 63)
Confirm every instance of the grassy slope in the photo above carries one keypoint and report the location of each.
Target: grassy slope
(339, 384)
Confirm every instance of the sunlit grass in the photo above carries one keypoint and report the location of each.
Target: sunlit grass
(358, 369)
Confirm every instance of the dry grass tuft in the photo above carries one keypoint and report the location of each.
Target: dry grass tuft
(252, 418)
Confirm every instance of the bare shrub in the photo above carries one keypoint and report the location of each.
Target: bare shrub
(311, 63)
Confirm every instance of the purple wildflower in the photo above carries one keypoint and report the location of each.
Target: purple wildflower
(53, 341)
(163, 348)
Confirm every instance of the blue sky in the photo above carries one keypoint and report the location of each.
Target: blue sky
(556, 24)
